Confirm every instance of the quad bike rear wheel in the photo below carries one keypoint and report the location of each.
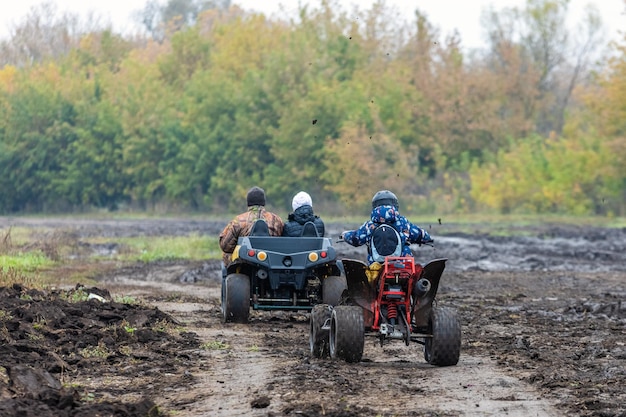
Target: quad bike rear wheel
(236, 298)
(332, 289)
(347, 334)
(444, 347)
(318, 338)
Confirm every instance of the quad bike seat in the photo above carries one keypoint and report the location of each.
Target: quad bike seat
(309, 230)
(259, 228)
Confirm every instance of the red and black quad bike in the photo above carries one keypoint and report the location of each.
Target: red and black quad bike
(280, 273)
(397, 303)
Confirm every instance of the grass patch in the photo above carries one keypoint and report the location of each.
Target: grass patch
(516, 225)
(100, 351)
(151, 249)
(24, 257)
(489, 220)
(215, 345)
(41, 257)
(25, 261)
(5, 315)
(75, 296)
(125, 299)
(11, 275)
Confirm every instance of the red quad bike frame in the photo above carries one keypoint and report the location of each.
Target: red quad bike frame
(399, 305)
(395, 282)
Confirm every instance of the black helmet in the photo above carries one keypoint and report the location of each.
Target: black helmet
(385, 198)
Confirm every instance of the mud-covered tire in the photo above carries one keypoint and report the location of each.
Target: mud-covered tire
(444, 348)
(236, 298)
(332, 288)
(347, 334)
(318, 338)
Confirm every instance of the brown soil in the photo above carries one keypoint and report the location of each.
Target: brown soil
(544, 334)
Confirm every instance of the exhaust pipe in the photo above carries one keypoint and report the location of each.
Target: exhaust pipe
(422, 286)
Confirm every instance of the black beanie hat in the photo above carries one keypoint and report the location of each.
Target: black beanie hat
(256, 197)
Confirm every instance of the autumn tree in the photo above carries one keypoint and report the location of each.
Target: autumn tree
(45, 34)
(359, 164)
(538, 61)
(159, 18)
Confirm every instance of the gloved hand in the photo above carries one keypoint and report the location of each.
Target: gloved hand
(426, 239)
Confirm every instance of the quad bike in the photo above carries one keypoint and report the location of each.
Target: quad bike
(280, 273)
(397, 302)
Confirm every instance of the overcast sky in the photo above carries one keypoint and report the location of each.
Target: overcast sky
(447, 15)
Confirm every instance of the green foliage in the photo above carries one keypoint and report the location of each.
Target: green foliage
(190, 54)
(336, 104)
(93, 172)
(38, 129)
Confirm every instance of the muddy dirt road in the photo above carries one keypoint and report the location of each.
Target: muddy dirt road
(544, 334)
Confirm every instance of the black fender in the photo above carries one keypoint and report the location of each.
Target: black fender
(422, 303)
(360, 292)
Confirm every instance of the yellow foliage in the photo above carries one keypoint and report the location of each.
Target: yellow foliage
(48, 73)
(539, 175)
(361, 164)
(243, 44)
(7, 78)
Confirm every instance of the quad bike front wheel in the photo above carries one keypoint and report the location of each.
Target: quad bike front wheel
(236, 298)
(347, 334)
(318, 338)
(332, 288)
(444, 347)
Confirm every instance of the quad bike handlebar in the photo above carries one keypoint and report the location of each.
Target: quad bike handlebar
(430, 242)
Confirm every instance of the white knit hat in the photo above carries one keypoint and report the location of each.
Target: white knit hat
(301, 199)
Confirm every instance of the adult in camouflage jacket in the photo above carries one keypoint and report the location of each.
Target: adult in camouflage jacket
(242, 224)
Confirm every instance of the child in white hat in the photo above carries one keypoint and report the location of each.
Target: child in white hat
(302, 206)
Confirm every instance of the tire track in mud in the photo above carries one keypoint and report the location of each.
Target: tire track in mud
(264, 369)
(397, 382)
(236, 378)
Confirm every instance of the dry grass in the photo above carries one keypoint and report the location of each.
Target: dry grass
(38, 259)
(6, 243)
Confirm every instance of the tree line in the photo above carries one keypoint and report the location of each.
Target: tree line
(210, 100)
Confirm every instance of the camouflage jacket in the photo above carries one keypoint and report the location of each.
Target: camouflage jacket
(241, 225)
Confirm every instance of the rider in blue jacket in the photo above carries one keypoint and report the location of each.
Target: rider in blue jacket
(385, 210)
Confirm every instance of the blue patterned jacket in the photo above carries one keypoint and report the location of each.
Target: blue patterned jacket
(409, 233)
